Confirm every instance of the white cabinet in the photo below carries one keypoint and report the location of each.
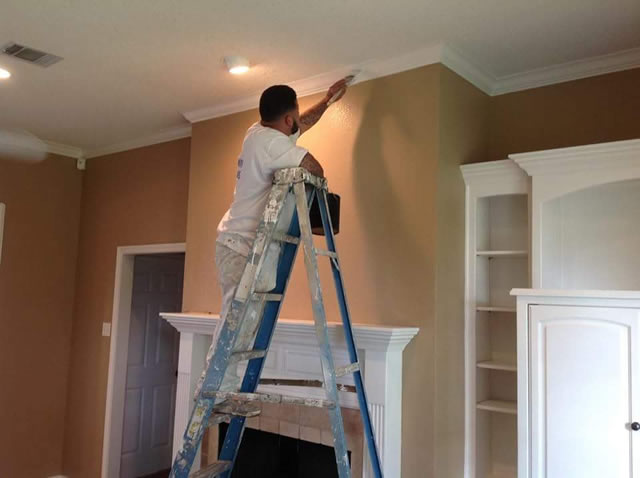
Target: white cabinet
(563, 219)
(578, 384)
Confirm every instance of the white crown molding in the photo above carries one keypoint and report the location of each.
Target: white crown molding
(171, 134)
(503, 170)
(367, 70)
(377, 68)
(575, 70)
(624, 155)
(63, 150)
(461, 65)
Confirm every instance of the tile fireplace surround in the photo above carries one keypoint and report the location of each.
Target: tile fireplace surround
(294, 353)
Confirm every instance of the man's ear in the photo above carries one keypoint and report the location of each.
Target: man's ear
(288, 120)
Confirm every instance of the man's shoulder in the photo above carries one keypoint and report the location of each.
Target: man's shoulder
(262, 136)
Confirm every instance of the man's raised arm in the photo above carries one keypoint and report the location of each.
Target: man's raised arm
(313, 114)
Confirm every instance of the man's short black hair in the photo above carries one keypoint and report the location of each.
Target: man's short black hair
(276, 101)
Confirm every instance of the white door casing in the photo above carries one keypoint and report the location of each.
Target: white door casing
(151, 366)
(121, 315)
(584, 393)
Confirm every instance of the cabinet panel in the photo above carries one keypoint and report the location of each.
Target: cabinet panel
(584, 379)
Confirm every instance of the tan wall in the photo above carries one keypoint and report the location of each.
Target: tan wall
(593, 110)
(131, 198)
(37, 277)
(463, 139)
(379, 147)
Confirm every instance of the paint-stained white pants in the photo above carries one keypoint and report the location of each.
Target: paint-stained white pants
(230, 265)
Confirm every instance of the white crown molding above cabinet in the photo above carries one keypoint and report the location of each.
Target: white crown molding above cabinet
(294, 353)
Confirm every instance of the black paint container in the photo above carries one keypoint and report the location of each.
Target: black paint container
(334, 211)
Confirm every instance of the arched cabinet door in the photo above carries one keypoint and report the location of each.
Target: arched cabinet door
(584, 399)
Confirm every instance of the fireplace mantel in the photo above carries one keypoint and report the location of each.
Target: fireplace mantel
(294, 354)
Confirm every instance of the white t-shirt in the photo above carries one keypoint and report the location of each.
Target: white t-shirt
(264, 151)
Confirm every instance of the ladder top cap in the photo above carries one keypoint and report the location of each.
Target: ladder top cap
(299, 175)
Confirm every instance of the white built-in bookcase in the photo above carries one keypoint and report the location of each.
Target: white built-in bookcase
(497, 260)
(559, 219)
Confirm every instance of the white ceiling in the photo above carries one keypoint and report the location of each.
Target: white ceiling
(132, 67)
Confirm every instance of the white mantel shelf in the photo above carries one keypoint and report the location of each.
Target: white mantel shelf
(294, 353)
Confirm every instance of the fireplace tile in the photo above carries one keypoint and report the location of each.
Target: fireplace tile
(326, 437)
(310, 434)
(271, 410)
(269, 424)
(253, 422)
(289, 412)
(289, 429)
(315, 418)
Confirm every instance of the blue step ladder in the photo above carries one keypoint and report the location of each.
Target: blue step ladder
(249, 326)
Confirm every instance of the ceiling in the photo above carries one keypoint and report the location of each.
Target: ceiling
(132, 68)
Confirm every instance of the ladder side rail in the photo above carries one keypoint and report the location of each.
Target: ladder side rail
(348, 331)
(218, 365)
(328, 368)
(235, 430)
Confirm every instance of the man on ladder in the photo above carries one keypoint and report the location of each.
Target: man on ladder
(268, 146)
(258, 239)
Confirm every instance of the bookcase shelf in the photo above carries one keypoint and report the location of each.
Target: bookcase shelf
(499, 406)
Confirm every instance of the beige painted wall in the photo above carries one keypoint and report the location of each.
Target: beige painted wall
(593, 110)
(379, 147)
(131, 198)
(37, 277)
(463, 138)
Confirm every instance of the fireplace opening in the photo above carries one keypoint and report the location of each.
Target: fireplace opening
(271, 455)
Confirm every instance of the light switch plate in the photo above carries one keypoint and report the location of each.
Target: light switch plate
(106, 329)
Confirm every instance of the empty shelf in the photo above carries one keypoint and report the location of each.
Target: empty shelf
(498, 365)
(490, 308)
(504, 253)
(499, 406)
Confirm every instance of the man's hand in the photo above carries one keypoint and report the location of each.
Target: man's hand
(337, 91)
(313, 114)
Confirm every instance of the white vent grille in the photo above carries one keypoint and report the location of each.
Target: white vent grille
(30, 55)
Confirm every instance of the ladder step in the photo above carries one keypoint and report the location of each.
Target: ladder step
(347, 369)
(225, 411)
(285, 238)
(215, 469)
(267, 297)
(270, 398)
(297, 382)
(246, 355)
(322, 252)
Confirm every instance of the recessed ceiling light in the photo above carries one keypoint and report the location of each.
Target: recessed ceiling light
(237, 65)
(4, 74)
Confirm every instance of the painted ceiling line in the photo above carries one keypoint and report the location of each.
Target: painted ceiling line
(439, 53)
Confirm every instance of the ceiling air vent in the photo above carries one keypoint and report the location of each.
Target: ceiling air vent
(30, 55)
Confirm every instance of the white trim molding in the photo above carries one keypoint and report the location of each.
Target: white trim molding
(120, 320)
(171, 134)
(366, 70)
(64, 150)
(294, 354)
(448, 55)
(573, 70)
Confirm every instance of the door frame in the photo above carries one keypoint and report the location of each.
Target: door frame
(117, 377)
